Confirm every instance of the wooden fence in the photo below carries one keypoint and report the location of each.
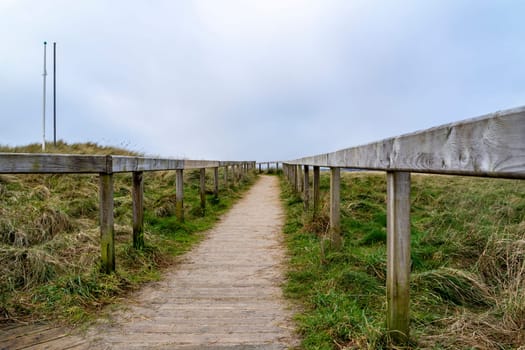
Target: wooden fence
(106, 166)
(489, 146)
(268, 166)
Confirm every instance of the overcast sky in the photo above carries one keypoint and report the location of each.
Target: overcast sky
(261, 80)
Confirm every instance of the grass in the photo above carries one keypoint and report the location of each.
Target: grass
(49, 237)
(468, 264)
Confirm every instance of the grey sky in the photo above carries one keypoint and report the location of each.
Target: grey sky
(265, 80)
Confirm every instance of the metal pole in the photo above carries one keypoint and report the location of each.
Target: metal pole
(44, 103)
(55, 94)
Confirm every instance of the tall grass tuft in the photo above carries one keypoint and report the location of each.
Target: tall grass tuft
(467, 255)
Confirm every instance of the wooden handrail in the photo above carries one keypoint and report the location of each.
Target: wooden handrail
(105, 166)
(41, 163)
(489, 146)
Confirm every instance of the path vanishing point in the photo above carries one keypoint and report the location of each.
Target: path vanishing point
(224, 294)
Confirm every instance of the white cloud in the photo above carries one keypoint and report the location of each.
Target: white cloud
(258, 79)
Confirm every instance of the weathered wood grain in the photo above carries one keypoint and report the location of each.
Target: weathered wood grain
(30, 163)
(127, 164)
(398, 255)
(198, 164)
(335, 207)
(488, 146)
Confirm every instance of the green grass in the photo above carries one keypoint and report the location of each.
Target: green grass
(49, 237)
(468, 266)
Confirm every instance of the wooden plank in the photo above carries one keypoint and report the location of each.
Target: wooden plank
(138, 210)
(179, 194)
(35, 338)
(30, 163)
(127, 164)
(398, 255)
(198, 164)
(306, 186)
(202, 191)
(107, 232)
(335, 208)
(16, 331)
(316, 189)
(491, 146)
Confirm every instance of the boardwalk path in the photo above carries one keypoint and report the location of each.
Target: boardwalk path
(225, 294)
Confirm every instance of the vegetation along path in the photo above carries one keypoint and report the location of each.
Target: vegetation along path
(225, 294)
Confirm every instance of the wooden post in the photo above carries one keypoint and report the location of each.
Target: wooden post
(301, 178)
(216, 182)
(294, 176)
(316, 189)
(179, 200)
(306, 187)
(138, 210)
(335, 203)
(107, 231)
(260, 168)
(398, 256)
(226, 176)
(203, 190)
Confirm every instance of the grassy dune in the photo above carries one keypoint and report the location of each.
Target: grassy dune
(49, 237)
(468, 264)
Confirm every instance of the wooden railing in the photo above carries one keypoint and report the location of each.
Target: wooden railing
(106, 166)
(268, 166)
(489, 146)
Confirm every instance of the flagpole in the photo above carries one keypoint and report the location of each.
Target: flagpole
(55, 94)
(44, 103)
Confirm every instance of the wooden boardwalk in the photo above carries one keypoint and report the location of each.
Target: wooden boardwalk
(224, 294)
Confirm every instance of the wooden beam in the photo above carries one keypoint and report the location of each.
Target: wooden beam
(335, 205)
(138, 210)
(398, 256)
(489, 146)
(316, 189)
(107, 231)
(127, 164)
(198, 164)
(179, 200)
(202, 178)
(30, 163)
